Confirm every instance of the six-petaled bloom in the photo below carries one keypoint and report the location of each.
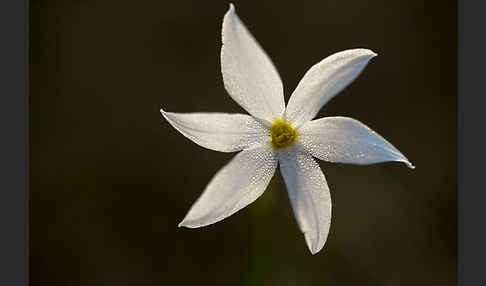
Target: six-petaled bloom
(274, 134)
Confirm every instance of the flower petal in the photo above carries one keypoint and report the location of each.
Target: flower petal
(248, 73)
(219, 131)
(309, 196)
(323, 81)
(235, 186)
(346, 140)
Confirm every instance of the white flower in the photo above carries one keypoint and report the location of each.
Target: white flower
(277, 134)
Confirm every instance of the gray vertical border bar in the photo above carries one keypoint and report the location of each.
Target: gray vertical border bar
(471, 142)
(14, 134)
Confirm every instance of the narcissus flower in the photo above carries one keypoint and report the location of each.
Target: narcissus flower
(274, 134)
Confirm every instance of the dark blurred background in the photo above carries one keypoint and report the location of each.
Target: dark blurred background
(110, 179)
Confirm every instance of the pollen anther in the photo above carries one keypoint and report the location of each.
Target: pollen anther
(282, 133)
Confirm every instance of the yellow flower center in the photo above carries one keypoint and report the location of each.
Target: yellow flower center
(282, 133)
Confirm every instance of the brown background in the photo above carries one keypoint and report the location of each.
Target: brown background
(110, 179)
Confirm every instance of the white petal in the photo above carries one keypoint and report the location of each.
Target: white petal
(346, 140)
(235, 186)
(219, 131)
(248, 73)
(309, 196)
(323, 81)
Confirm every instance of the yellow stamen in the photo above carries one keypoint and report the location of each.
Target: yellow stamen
(282, 133)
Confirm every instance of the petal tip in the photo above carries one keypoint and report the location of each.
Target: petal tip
(406, 162)
(227, 19)
(188, 222)
(410, 165)
(183, 223)
(364, 52)
(314, 246)
(314, 251)
(165, 114)
(231, 9)
(370, 53)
